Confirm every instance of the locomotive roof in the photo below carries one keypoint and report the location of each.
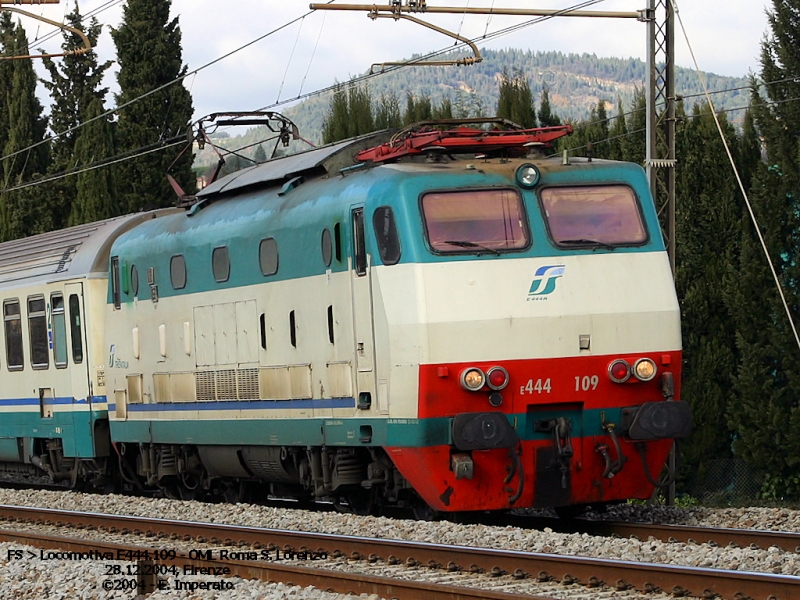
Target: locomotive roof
(73, 252)
(328, 160)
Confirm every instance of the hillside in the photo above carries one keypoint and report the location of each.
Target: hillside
(576, 83)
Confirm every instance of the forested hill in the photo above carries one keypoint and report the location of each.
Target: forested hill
(576, 83)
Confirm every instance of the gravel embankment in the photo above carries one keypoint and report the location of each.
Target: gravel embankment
(36, 576)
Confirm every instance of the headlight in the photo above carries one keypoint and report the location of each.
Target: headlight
(644, 369)
(527, 175)
(472, 379)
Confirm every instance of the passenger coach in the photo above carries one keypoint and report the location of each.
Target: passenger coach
(53, 413)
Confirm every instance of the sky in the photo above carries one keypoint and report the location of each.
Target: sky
(329, 46)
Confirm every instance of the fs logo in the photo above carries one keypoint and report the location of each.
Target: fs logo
(544, 281)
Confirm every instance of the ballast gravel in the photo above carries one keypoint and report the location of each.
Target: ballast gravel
(62, 579)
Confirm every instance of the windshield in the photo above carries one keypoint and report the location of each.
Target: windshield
(475, 221)
(605, 215)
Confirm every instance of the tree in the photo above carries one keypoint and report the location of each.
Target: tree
(23, 211)
(708, 230)
(359, 102)
(349, 114)
(336, 126)
(766, 417)
(444, 110)
(95, 190)
(6, 48)
(150, 58)
(618, 132)
(75, 83)
(547, 118)
(417, 109)
(387, 112)
(515, 101)
(260, 155)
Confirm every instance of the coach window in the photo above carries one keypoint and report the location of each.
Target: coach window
(386, 235)
(134, 281)
(221, 264)
(37, 328)
(268, 256)
(59, 330)
(327, 247)
(177, 272)
(75, 331)
(115, 283)
(13, 324)
(475, 221)
(593, 214)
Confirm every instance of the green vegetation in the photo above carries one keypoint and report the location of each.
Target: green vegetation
(157, 118)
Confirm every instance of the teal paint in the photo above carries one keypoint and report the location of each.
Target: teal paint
(297, 220)
(340, 432)
(75, 429)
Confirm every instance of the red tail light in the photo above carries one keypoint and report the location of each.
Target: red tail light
(497, 378)
(619, 371)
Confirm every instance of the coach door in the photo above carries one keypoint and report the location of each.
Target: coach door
(76, 336)
(362, 312)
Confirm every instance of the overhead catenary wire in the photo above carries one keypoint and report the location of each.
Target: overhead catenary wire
(327, 89)
(302, 96)
(102, 163)
(178, 79)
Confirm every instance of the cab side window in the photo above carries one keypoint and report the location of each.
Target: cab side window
(386, 235)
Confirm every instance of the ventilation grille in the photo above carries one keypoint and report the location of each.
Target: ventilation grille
(247, 383)
(227, 384)
(206, 390)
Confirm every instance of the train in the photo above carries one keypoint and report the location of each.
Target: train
(442, 318)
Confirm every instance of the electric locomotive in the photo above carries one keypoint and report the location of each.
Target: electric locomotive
(442, 318)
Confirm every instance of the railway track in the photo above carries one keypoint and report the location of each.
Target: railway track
(718, 536)
(569, 570)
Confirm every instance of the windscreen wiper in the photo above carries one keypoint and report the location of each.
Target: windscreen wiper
(587, 242)
(466, 244)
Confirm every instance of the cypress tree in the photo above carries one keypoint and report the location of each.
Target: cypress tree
(708, 230)
(95, 190)
(617, 134)
(149, 55)
(6, 48)
(766, 417)
(335, 127)
(634, 144)
(349, 115)
(387, 112)
(74, 83)
(515, 100)
(417, 109)
(359, 102)
(547, 118)
(24, 211)
(260, 155)
(444, 110)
